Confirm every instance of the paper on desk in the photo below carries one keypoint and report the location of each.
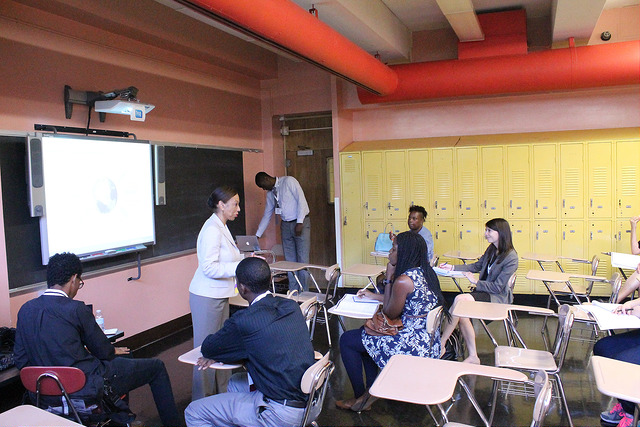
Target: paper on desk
(111, 331)
(442, 272)
(350, 305)
(603, 314)
(624, 260)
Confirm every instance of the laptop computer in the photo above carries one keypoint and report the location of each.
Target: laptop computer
(248, 243)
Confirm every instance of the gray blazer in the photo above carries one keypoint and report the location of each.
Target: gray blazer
(497, 279)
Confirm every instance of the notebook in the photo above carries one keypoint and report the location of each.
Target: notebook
(248, 243)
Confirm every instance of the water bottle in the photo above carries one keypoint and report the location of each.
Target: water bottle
(100, 319)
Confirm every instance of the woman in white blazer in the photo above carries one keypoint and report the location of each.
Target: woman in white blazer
(213, 283)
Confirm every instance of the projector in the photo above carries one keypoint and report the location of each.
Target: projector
(136, 110)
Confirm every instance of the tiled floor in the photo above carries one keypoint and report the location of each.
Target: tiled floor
(585, 401)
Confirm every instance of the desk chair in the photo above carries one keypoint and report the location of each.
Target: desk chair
(314, 383)
(543, 391)
(332, 274)
(529, 360)
(584, 318)
(54, 381)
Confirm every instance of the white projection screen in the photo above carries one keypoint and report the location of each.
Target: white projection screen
(98, 196)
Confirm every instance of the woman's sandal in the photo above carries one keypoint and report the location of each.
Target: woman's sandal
(363, 403)
(345, 404)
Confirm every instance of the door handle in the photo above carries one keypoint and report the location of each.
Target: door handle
(591, 236)
(510, 204)
(460, 204)
(389, 205)
(590, 203)
(366, 205)
(537, 234)
(436, 235)
(564, 235)
(461, 235)
(367, 234)
(345, 220)
(436, 204)
(485, 204)
(563, 203)
(536, 203)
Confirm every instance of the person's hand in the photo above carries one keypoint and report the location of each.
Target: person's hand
(255, 255)
(204, 363)
(122, 350)
(390, 271)
(299, 227)
(446, 266)
(634, 220)
(364, 293)
(392, 236)
(628, 308)
(469, 275)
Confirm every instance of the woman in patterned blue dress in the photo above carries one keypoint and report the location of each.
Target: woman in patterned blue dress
(409, 295)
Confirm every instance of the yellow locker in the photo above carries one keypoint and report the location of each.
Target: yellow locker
(622, 236)
(627, 169)
(600, 239)
(493, 188)
(600, 178)
(418, 179)
(545, 242)
(373, 186)
(442, 179)
(467, 179)
(444, 240)
(571, 180)
(351, 189)
(518, 168)
(572, 244)
(471, 236)
(395, 186)
(544, 182)
(371, 231)
(521, 236)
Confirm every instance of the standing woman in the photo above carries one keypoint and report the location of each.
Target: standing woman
(214, 283)
(495, 266)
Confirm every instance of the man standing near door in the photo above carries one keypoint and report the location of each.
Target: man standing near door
(286, 198)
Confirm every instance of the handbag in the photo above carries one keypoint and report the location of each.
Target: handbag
(383, 241)
(380, 325)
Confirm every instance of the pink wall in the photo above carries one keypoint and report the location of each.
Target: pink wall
(600, 108)
(212, 109)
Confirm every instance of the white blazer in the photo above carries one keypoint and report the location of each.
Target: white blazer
(218, 257)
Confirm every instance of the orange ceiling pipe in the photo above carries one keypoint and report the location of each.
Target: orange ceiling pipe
(558, 69)
(287, 26)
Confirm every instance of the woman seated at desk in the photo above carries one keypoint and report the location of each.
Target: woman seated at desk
(411, 290)
(495, 266)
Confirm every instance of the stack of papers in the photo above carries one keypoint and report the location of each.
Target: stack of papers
(351, 305)
(625, 260)
(442, 272)
(603, 314)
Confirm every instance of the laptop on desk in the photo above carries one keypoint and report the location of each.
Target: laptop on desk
(248, 243)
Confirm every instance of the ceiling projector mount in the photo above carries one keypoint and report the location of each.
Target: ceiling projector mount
(119, 101)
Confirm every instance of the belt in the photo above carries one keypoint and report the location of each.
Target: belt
(294, 220)
(287, 402)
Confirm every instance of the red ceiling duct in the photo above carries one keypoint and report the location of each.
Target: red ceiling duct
(287, 26)
(558, 69)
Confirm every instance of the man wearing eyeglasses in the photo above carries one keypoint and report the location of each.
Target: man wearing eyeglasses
(56, 330)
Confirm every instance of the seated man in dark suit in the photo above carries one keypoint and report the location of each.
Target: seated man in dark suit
(55, 330)
(271, 338)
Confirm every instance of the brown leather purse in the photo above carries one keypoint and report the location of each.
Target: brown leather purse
(380, 325)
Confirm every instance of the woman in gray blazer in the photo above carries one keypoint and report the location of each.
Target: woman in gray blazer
(495, 267)
(214, 283)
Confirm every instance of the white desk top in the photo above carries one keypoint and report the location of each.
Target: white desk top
(548, 276)
(425, 381)
(30, 416)
(191, 357)
(380, 254)
(465, 255)
(539, 257)
(288, 266)
(491, 310)
(364, 270)
(616, 378)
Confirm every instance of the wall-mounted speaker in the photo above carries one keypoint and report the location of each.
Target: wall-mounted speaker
(35, 177)
(159, 178)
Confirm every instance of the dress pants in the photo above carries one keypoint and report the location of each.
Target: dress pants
(127, 374)
(296, 249)
(208, 315)
(241, 407)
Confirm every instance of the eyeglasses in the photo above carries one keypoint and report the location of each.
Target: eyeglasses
(81, 284)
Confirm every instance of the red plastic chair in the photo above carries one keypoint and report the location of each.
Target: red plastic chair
(53, 381)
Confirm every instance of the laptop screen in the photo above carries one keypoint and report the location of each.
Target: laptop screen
(248, 243)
